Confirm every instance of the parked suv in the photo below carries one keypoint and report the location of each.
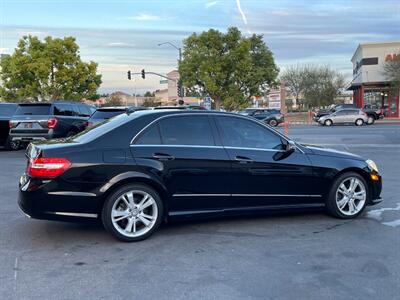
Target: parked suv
(6, 112)
(43, 121)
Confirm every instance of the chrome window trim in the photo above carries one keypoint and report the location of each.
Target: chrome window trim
(245, 195)
(213, 114)
(171, 146)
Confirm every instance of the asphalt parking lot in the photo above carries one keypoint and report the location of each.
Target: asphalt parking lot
(283, 256)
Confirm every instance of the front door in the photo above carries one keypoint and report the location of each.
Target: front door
(259, 176)
(184, 153)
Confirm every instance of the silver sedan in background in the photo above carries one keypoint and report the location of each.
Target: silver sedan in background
(345, 116)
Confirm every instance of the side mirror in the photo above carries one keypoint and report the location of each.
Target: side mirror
(288, 148)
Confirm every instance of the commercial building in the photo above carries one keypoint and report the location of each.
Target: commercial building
(370, 85)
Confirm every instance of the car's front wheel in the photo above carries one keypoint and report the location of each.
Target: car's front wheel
(132, 213)
(328, 122)
(348, 196)
(359, 122)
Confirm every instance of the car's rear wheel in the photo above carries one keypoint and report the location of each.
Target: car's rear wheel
(11, 144)
(371, 120)
(273, 122)
(132, 213)
(328, 122)
(359, 122)
(348, 196)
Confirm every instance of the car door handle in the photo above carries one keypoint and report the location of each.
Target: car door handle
(243, 159)
(163, 156)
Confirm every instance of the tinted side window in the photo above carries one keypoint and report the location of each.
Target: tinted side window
(238, 132)
(186, 130)
(75, 110)
(151, 136)
(63, 110)
(84, 111)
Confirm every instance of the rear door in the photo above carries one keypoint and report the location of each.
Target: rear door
(340, 117)
(186, 154)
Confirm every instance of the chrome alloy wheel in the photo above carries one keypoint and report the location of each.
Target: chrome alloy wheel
(351, 196)
(134, 213)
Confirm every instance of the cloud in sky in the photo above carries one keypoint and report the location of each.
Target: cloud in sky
(145, 17)
(126, 35)
(211, 4)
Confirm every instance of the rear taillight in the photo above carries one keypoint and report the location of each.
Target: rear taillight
(52, 123)
(47, 167)
(88, 124)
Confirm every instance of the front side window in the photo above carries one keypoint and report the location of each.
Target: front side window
(186, 130)
(242, 133)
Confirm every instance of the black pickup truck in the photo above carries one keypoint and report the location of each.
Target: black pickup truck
(372, 112)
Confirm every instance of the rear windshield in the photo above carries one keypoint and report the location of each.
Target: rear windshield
(91, 133)
(107, 114)
(7, 109)
(33, 109)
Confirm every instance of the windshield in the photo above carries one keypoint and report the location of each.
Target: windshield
(7, 109)
(34, 109)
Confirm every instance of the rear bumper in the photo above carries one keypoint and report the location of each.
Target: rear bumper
(29, 137)
(37, 202)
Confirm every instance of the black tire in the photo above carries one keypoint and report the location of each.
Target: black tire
(112, 198)
(71, 133)
(331, 204)
(11, 145)
(359, 122)
(273, 123)
(328, 122)
(371, 120)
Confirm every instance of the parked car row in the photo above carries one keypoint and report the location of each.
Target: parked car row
(368, 115)
(23, 123)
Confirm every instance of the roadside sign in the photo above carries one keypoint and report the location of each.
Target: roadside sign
(163, 81)
(207, 103)
(274, 100)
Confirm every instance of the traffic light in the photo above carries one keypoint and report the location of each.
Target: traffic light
(129, 75)
(180, 89)
(143, 74)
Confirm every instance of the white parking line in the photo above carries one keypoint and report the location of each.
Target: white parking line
(376, 214)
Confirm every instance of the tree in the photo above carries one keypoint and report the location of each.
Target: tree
(322, 85)
(149, 94)
(316, 85)
(47, 70)
(114, 99)
(229, 67)
(294, 79)
(391, 71)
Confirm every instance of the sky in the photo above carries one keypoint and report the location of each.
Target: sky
(123, 35)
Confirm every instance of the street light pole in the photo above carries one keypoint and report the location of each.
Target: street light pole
(179, 61)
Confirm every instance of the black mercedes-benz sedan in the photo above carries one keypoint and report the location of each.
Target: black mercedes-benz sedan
(137, 170)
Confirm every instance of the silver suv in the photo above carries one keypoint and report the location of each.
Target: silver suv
(345, 116)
